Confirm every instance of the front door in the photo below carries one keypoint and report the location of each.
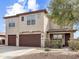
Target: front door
(67, 37)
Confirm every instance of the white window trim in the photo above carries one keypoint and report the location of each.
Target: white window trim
(31, 18)
(11, 24)
(57, 36)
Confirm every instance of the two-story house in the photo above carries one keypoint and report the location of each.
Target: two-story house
(33, 28)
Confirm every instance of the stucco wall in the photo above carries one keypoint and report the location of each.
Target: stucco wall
(12, 30)
(37, 27)
(46, 23)
(53, 25)
(21, 26)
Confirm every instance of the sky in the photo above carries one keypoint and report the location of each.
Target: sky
(12, 7)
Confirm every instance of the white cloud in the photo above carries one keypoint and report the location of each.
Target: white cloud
(32, 5)
(16, 8)
(19, 7)
(21, 0)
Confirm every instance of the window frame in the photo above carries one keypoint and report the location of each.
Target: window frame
(57, 36)
(31, 19)
(33, 22)
(22, 18)
(11, 24)
(28, 22)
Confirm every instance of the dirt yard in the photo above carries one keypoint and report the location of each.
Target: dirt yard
(48, 56)
(7, 52)
(54, 54)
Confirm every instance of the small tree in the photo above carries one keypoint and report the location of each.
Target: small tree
(64, 12)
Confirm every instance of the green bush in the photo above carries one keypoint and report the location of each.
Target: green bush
(47, 49)
(74, 44)
(53, 43)
(47, 43)
(56, 43)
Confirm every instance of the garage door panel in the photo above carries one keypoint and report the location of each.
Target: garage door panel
(12, 40)
(30, 40)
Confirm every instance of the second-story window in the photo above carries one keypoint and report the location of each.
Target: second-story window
(22, 18)
(11, 24)
(28, 22)
(31, 20)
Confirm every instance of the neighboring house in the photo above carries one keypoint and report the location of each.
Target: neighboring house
(2, 38)
(33, 28)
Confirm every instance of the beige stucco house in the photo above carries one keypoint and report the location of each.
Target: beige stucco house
(33, 28)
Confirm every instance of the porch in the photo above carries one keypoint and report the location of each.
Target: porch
(61, 34)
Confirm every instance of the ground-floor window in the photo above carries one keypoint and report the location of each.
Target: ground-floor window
(56, 36)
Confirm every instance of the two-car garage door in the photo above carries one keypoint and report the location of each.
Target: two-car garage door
(33, 40)
(30, 40)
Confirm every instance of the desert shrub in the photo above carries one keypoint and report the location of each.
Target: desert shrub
(47, 43)
(56, 43)
(53, 43)
(74, 44)
(47, 49)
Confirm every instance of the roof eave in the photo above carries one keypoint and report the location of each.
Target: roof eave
(26, 13)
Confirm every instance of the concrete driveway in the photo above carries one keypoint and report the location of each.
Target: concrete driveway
(10, 52)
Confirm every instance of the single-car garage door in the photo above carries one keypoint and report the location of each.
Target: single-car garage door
(32, 40)
(12, 40)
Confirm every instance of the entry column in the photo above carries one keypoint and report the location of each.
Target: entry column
(17, 40)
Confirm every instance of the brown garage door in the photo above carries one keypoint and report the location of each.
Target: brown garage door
(33, 40)
(12, 40)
